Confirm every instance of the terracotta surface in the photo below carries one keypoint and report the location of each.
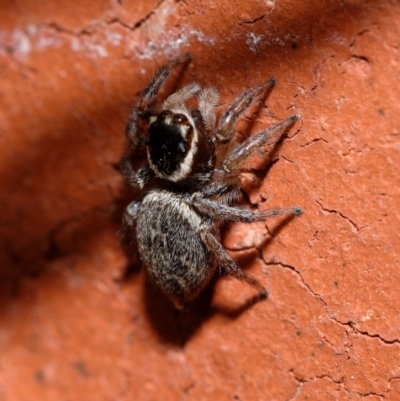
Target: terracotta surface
(76, 323)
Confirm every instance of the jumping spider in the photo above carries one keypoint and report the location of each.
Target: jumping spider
(178, 220)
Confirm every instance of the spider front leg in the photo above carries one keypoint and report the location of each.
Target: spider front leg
(146, 101)
(225, 128)
(222, 212)
(234, 160)
(231, 165)
(136, 178)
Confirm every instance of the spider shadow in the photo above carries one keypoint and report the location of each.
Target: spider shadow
(174, 326)
(274, 231)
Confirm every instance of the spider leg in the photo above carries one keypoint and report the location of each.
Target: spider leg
(225, 128)
(130, 215)
(226, 263)
(208, 101)
(181, 96)
(136, 178)
(221, 192)
(217, 210)
(146, 101)
(271, 136)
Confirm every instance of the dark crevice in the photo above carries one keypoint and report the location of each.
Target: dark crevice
(352, 326)
(313, 141)
(292, 268)
(252, 21)
(351, 222)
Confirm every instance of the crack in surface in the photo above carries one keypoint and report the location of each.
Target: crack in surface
(299, 385)
(250, 22)
(301, 381)
(141, 21)
(286, 266)
(287, 160)
(353, 44)
(352, 326)
(371, 393)
(351, 222)
(21, 39)
(313, 141)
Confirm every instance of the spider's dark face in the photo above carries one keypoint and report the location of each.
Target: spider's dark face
(176, 145)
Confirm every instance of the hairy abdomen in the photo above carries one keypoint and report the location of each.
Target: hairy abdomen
(170, 244)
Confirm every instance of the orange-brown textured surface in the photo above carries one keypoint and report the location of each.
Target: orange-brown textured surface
(75, 326)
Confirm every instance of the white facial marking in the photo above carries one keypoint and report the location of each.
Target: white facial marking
(186, 165)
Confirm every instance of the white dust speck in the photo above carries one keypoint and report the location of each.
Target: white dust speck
(252, 41)
(22, 44)
(114, 38)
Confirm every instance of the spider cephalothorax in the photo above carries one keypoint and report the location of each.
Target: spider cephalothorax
(177, 148)
(177, 221)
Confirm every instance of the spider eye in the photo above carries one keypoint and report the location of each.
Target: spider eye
(164, 114)
(179, 118)
(182, 148)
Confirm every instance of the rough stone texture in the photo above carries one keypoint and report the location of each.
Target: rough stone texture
(76, 325)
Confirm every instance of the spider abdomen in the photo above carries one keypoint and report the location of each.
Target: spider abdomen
(170, 244)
